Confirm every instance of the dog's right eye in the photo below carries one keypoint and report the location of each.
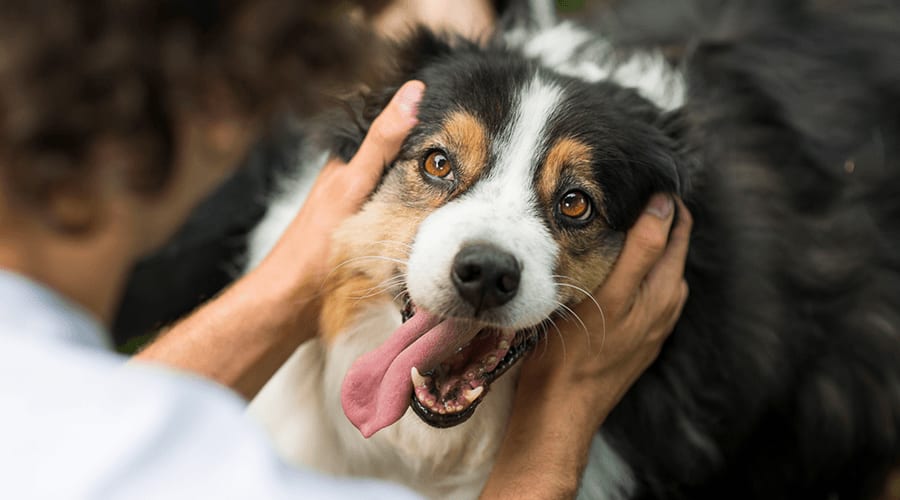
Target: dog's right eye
(437, 165)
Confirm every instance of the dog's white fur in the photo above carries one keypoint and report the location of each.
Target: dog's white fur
(301, 406)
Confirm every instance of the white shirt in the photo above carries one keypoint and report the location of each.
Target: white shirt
(77, 422)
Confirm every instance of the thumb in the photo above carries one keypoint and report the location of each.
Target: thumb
(386, 135)
(644, 246)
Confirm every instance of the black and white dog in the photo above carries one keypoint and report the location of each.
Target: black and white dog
(779, 125)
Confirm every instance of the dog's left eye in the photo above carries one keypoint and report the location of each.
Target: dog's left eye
(436, 164)
(576, 205)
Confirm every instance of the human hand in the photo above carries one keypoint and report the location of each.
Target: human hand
(635, 310)
(339, 192)
(566, 391)
(473, 19)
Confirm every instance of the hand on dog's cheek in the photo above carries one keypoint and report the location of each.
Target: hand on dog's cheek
(300, 258)
(263, 317)
(566, 390)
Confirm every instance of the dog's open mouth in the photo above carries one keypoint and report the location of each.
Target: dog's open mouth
(440, 366)
(448, 394)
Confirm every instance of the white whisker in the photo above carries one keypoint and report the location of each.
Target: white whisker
(577, 318)
(363, 257)
(597, 304)
(380, 288)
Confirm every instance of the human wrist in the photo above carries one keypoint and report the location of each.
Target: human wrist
(547, 442)
(286, 294)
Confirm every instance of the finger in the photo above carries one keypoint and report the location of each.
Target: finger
(386, 135)
(675, 313)
(644, 245)
(683, 293)
(669, 270)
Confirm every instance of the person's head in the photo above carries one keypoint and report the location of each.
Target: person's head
(117, 116)
(128, 111)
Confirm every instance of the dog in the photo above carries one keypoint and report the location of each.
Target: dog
(535, 152)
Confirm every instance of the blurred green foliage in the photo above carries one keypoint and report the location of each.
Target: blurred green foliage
(569, 5)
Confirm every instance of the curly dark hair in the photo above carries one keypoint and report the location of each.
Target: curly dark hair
(78, 73)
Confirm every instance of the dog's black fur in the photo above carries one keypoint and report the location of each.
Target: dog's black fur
(788, 352)
(782, 379)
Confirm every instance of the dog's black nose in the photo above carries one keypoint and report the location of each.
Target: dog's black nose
(485, 276)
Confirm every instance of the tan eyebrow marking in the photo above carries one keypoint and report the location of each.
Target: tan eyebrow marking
(467, 139)
(566, 153)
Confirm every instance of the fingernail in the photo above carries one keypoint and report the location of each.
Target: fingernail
(408, 98)
(660, 206)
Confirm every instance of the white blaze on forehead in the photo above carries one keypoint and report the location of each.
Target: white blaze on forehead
(500, 209)
(516, 151)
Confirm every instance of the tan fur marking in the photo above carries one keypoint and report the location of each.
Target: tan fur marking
(573, 158)
(369, 250)
(566, 155)
(587, 272)
(369, 245)
(466, 139)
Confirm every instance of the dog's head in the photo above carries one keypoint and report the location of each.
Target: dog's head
(508, 203)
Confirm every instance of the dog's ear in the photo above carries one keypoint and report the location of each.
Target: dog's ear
(346, 125)
(651, 157)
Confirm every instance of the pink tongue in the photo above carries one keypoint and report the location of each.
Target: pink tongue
(377, 388)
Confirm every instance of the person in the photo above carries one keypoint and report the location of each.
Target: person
(101, 157)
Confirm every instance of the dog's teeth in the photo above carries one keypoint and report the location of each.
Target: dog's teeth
(472, 394)
(504, 344)
(470, 375)
(491, 360)
(417, 379)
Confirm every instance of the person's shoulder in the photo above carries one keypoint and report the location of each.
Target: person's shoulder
(81, 423)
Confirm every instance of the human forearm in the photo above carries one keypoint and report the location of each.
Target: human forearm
(242, 337)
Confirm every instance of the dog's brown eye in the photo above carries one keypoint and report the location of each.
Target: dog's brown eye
(437, 165)
(576, 205)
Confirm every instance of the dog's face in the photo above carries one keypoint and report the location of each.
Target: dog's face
(507, 205)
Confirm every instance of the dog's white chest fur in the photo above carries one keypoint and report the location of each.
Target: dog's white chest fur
(301, 409)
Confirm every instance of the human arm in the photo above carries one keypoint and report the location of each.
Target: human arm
(244, 335)
(565, 393)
